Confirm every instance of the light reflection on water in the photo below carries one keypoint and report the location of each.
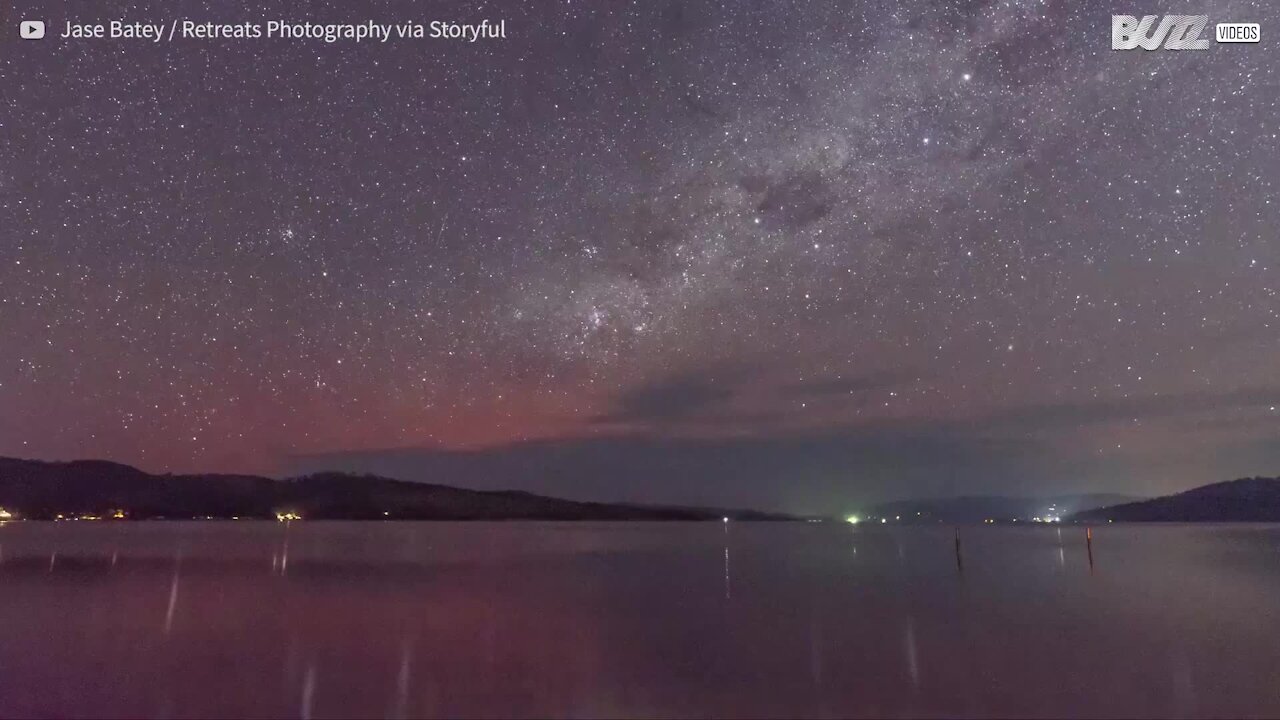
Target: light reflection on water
(727, 619)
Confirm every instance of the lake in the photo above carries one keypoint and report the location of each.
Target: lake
(312, 619)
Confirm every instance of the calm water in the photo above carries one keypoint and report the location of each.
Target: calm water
(534, 619)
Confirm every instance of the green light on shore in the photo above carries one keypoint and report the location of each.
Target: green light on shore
(852, 519)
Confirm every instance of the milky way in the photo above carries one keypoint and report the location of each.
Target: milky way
(791, 253)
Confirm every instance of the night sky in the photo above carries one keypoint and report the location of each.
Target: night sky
(791, 254)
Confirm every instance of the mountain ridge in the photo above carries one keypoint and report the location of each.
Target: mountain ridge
(37, 489)
(1252, 499)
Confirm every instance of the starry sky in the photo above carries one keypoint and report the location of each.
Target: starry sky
(796, 254)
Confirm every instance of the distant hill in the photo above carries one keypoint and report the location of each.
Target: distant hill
(1244, 500)
(44, 490)
(977, 508)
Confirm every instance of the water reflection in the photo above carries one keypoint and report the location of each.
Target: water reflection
(308, 693)
(173, 597)
(280, 558)
(404, 620)
(400, 706)
(913, 663)
(815, 649)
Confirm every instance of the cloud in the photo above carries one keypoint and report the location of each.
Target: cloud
(774, 465)
(677, 397)
(844, 385)
(811, 472)
(1050, 416)
(734, 396)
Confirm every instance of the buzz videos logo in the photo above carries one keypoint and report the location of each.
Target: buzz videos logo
(1175, 32)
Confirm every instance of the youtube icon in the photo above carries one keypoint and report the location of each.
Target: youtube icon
(31, 29)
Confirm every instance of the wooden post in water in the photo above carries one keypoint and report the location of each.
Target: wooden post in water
(1088, 543)
(959, 561)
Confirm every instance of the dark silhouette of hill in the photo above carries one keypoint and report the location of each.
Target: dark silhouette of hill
(43, 490)
(977, 508)
(1244, 500)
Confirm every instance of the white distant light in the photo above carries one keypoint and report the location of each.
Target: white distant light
(726, 519)
(966, 77)
(852, 519)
